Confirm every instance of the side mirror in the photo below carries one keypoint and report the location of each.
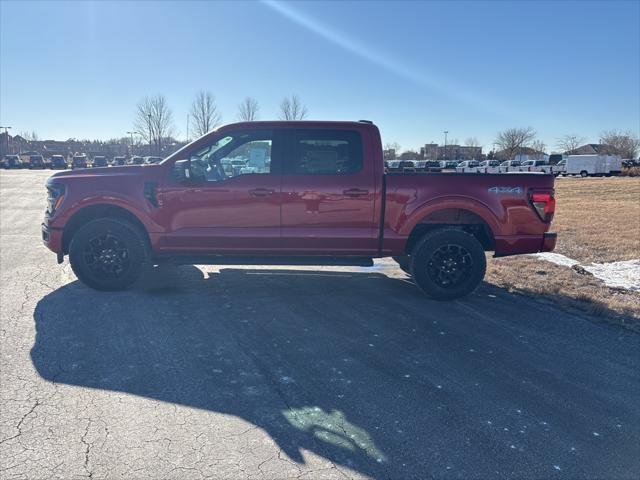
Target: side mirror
(182, 171)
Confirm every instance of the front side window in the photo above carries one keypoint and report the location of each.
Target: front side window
(238, 153)
(325, 152)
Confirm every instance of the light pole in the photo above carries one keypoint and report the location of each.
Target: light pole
(445, 144)
(6, 132)
(131, 144)
(187, 128)
(149, 115)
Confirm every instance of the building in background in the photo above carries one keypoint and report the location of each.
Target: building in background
(433, 151)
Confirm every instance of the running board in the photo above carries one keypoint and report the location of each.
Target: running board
(268, 260)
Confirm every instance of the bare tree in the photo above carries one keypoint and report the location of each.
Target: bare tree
(513, 139)
(248, 110)
(570, 142)
(30, 136)
(292, 109)
(539, 148)
(625, 144)
(391, 150)
(205, 113)
(154, 120)
(472, 142)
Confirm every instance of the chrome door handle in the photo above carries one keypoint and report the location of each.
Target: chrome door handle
(355, 192)
(261, 192)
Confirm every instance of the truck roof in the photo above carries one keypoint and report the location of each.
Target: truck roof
(297, 123)
(360, 124)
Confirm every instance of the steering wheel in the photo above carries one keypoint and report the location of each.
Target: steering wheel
(216, 172)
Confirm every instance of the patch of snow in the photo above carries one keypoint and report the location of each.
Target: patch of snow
(625, 274)
(557, 258)
(617, 274)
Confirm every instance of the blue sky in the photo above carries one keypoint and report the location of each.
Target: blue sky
(78, 69)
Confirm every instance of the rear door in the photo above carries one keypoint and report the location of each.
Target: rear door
(329, 189)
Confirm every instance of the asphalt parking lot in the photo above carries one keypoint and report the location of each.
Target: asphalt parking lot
(236, 372)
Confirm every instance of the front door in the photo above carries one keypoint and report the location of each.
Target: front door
(233, 202)
(328, 194)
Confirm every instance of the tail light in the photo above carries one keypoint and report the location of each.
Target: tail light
(545, 205)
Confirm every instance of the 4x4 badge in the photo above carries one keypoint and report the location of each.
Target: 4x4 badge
(515, 190)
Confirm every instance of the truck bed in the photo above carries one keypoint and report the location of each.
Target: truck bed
(501, 203)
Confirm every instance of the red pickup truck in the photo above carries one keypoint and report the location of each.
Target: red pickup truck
(312, 193)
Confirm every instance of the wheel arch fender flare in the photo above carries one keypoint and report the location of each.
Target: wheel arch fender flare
(455, 203)
(93, 208)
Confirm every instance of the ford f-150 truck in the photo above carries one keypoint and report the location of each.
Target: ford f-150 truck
(313, 193)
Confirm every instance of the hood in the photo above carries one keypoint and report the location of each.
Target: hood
(106, 172)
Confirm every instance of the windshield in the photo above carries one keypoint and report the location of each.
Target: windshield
(209, 151)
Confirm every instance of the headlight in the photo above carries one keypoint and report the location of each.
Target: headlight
(55, 195)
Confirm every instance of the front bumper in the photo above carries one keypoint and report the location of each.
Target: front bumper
(52, 239)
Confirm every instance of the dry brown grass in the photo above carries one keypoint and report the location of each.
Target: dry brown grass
(597, 220)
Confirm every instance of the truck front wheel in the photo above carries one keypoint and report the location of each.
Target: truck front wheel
(108, 254)
(448, 263)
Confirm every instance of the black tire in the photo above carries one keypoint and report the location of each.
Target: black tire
(584, 174)
(448, 263)
(108, 254)
(404, 262)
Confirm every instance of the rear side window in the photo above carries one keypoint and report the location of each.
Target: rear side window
(324, 152)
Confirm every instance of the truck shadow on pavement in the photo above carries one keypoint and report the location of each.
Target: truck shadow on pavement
(358, 368)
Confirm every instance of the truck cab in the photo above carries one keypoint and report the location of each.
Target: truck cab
(293, 193)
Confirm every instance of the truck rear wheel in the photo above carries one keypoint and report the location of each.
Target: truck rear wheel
(108, 254)
(448, 263)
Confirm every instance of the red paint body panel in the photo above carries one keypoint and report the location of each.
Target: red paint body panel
(366, 213)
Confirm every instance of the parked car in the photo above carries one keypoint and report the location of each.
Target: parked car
(401, 166)
(468, 166)
(79, 161)
(148, 160)
(489, 166)
(448, 164)
(559, 168)
(327, 202)
(99, 161)
(36, 161)
(427, 166)
(510, 166)
(118, 161)
(11, 161)
(57, 161)
(535, 166)
(136, 161)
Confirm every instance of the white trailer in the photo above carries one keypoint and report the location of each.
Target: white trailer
(593, 165)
